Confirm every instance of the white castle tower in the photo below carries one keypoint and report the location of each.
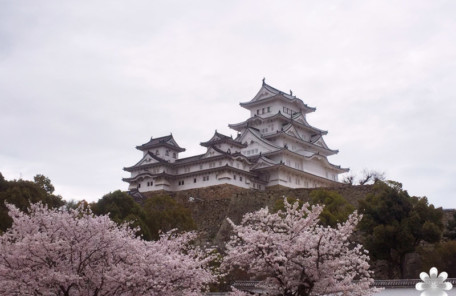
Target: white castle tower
(275, 146)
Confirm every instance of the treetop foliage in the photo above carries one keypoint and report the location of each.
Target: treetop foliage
(394, 223)
(336, 208)
(156, 215)
(44, 182)
(23, 193)
(121, 208)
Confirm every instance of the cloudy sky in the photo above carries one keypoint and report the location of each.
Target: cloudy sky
(83, 82)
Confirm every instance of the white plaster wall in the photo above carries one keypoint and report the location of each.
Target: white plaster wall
(255, 147)
(315, 167)
(214, 178)
(274, 107)
(291, 180)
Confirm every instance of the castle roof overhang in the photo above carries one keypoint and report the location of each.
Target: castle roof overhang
(262, 161)
(177, 163)
(236, 155)
(278, 116)
(258, 136)
(268, 93)
(321, 157)
(205, 172)
(166, 141)
(219, 138)
(138, 177)
(325, 160)
(160, 161)
(322, 150)
(187, 161)
(282, 166)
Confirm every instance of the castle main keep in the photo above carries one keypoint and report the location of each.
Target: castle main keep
(274, 146)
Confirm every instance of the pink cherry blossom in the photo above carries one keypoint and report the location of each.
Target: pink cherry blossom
(297, 256)
(55, 252)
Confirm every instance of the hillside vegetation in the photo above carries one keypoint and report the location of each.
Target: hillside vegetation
(404, 234)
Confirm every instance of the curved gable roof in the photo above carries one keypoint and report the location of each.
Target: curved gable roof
(220, 138)
(267, 93)
(166, 141)
(256, 134)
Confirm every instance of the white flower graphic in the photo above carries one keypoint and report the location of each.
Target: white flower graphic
(432, 284)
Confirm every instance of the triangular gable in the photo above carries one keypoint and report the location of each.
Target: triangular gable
(149, 158)
(249, 137)
(323, 159)
(291, 130)
(172, 142)
(241, 158)
(263, 162)
(211, 152)
(263, 93)
(320, 142)
(216, 137)
(300, 118)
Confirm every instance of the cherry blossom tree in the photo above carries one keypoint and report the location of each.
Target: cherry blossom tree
(56, 252)
(297, 256)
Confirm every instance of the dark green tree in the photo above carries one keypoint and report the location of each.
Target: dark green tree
(394, 223)
(22, 193)
(337, 208)
(121, 208)
(3, 183)
(44, 183)
(163, 213)
(450, 232)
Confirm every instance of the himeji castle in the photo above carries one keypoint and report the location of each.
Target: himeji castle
(274, 146)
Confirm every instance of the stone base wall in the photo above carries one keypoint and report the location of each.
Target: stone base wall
(211, 206)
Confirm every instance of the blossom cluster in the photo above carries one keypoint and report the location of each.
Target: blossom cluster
(55, 252)
(298, 256)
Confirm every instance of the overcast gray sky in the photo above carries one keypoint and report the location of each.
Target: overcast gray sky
(83, 82)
